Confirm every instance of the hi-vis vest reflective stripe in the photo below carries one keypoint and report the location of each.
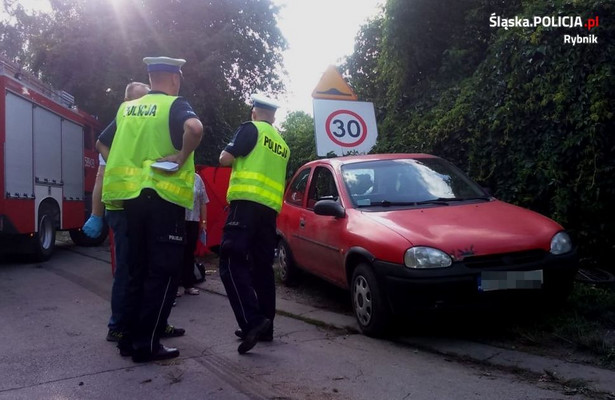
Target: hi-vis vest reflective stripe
(260, 176)
(141, 138)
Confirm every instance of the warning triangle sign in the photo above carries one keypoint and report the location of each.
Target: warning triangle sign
(333, 87)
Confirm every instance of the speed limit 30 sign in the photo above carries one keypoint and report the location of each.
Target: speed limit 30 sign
(346, 128)
(343, 127)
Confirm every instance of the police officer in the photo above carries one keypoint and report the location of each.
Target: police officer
(258, 156)
(114, 215)
(159, 126)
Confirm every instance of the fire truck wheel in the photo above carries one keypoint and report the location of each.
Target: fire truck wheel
(81, 239)
(44, 240)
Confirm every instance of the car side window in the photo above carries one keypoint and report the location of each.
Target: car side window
(322, 187)
(296, 190)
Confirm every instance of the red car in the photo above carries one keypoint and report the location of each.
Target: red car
(407, 231)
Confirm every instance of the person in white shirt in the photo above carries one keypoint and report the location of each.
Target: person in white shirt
(196, 226)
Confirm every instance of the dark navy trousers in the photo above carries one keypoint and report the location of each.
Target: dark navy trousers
(156, 230)
(246, 262)
(117, 222)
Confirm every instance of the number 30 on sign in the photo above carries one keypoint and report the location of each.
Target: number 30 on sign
(342, 127)
(346, 128)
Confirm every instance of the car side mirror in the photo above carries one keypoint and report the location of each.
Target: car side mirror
(329, 207)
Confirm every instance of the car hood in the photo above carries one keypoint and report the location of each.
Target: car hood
(471, 229)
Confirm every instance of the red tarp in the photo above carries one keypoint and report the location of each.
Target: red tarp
(216, 183)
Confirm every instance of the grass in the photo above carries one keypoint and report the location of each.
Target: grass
(585, 324)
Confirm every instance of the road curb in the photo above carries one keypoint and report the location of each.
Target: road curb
(299, 311)
(579, 375)
(574, 374)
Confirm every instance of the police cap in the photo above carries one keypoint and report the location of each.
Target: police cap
(166, 64)
(260, 101)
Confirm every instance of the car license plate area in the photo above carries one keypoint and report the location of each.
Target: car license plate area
(506, 280)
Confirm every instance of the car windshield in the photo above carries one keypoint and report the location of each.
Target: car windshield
(408, 182)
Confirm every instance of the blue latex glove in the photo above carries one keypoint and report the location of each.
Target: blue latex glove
(93, 226)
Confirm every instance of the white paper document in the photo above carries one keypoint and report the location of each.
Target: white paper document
(166, 166)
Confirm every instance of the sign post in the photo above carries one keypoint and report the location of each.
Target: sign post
(342, 125)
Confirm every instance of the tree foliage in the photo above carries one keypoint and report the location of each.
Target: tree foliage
(298, 132)
(363, 65)
(92, 48)
(523, 112)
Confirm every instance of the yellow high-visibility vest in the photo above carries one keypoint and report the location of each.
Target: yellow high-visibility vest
(141, 138)
(260, 176)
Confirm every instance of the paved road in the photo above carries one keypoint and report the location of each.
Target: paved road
(54, 323)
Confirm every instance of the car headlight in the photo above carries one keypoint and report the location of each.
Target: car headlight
(426, 257)
(561, 243)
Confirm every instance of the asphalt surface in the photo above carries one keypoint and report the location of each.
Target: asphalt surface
(36, 364)
(571, 373)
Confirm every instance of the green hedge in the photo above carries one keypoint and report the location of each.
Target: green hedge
(534, 121)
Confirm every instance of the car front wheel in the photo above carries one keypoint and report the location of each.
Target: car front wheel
(369, 305)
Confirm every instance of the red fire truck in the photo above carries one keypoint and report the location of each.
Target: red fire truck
(48, 164)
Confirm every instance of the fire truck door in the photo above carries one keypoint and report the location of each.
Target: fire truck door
(47, 128)
(19, 181)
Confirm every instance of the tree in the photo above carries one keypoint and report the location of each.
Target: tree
(362, 67)
(92, 48)
(298, 132)
(519, 109)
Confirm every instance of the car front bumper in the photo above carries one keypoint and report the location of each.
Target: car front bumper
(461, 284)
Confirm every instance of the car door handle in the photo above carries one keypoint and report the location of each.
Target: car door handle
(302, 223)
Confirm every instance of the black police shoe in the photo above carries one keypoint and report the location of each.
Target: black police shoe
(265, 337)
(125, 349)
(253, 335)
(162, 353)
